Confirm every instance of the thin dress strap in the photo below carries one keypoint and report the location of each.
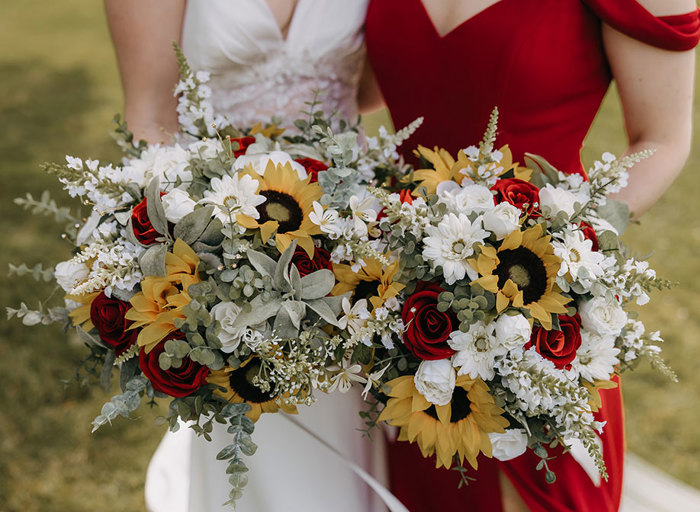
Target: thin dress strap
(680, 32)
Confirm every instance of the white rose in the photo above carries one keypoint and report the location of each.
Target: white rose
(502, 220)
(509, 445)
(435, 380)
(603, 315)
(469, 198)
(68, 274)
(559, 200)
(512, 331)
(177, 203)
(259, 162)
(226, 313)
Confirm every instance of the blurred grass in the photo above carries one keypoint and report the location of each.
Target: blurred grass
(58, 93)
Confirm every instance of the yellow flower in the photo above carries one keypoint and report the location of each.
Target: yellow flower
(161, 299)
(239, 388)
(80, 316)
(289, 200)
(459, 428)
(522, 272)
(372, 282)
(446, 168)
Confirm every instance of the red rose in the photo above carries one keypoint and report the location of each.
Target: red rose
(108, 317)
(141, 224)
(589, 234)
(558, 346)
(306, 265)
(519, 193)
(427, 329)
(243, 143)
(313, 167)
(178, 382)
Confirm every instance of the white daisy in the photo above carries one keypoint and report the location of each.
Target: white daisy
(596, 358)
(233, 195)
(578, 259)
(450, 243)
(477, 350)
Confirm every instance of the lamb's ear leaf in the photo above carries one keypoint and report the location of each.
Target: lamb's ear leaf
(259, 312)
(262, 262)
(324, 310)
(317, 284)
(281, 275)
(154, 208)
(617, 213)
(192, 225)
(546, 170)
(152, 261)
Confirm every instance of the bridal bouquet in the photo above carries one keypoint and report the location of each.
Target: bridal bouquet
(510, 286)
(215, 272)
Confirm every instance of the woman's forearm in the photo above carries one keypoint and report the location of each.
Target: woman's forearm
(143, 32)
(651, 177)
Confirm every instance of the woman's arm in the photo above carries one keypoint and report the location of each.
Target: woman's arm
(656, 90)
(143, 32)
(369, 97)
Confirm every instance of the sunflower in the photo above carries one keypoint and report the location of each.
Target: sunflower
(522, 272)
(461, 427)
(288, 201)
(239, 388)
(446, 168)
(161, 299)
(373, 282)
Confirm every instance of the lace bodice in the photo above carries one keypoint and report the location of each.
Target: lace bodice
(257, 74)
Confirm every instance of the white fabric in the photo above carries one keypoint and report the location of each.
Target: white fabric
(291, 471)
(256, 74)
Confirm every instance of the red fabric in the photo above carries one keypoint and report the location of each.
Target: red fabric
(543, 64)
(678, 33)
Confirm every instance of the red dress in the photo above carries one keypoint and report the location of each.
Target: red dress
(543, 64)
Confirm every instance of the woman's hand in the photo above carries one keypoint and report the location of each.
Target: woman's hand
(656, 90)
(143, 33)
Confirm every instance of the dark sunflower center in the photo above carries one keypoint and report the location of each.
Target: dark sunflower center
(366, 289)
(525, 269)
(241, 382)
(281, 207)
(461, 406)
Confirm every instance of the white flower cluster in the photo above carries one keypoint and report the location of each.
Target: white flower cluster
(196, 114)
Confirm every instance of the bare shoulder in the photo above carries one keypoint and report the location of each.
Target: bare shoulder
(668, 7)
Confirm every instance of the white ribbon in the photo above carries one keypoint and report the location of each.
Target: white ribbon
(391, 501)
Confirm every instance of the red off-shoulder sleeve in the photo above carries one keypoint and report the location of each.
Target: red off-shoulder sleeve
(680, 32)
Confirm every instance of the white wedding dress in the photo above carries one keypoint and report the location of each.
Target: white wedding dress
(256, 73)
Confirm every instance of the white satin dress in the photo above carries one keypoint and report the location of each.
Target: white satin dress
(256, 73)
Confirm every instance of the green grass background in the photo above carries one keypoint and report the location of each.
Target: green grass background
(59, 89)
